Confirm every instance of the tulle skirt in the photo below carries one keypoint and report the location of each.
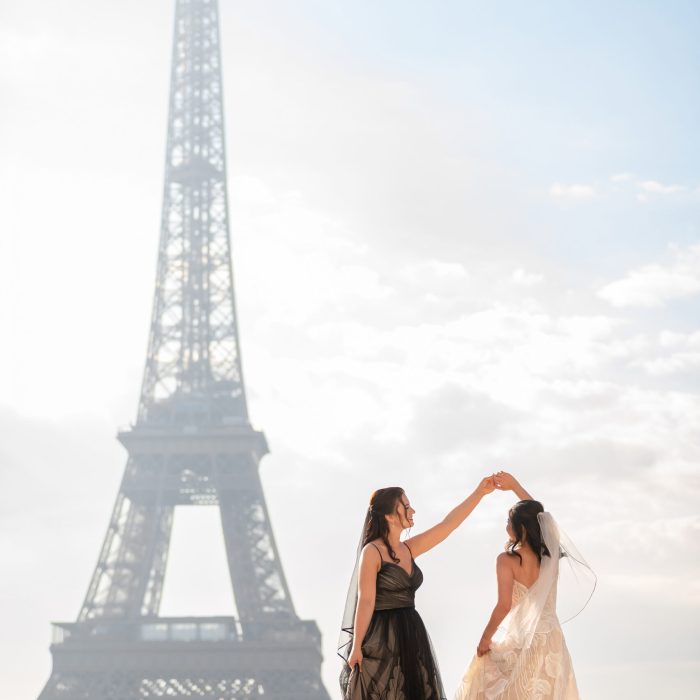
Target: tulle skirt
(398, 663)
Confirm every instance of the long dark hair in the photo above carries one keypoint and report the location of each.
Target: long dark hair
(383, 502)
(526, 527)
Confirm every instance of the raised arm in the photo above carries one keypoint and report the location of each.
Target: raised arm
(370, 563)
(425, 541)
(504, 574)
(507, 482)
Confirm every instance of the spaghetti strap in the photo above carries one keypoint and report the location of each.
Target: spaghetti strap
(379, 550)
(409, 550)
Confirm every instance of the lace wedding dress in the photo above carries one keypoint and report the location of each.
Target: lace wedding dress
(532, 661)
(543, 671)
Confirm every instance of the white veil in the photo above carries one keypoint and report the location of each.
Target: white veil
(564, 587)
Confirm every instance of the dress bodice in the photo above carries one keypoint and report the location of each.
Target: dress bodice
(519, 591)
(395, 587)
(548, 618)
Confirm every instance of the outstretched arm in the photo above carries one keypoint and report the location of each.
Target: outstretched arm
(507, 482)
(504, 574)
(419, 544)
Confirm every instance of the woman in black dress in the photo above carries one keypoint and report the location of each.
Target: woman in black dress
(383, 640)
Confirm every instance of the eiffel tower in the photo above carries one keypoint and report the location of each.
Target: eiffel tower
(192, 444)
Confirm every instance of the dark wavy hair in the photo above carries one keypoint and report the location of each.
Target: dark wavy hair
(383, 502)
(526, 527)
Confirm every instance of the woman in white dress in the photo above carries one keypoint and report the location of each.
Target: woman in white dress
(531, 661)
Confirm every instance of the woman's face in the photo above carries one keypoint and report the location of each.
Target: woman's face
(404, 512)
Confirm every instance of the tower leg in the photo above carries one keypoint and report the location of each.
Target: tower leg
(128, 579)
(254, 565)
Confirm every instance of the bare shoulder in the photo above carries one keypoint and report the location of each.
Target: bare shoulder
(371, 553)
(505, 561)
(372, 547)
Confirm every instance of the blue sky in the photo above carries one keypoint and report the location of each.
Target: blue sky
(582, 91)
(622, 73)
(465, 238)
(575, 93)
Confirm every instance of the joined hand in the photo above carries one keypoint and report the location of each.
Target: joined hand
(504, 481)
(487, 484)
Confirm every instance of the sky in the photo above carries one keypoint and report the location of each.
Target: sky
(465, 238)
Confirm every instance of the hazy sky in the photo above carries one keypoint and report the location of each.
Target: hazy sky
(465, 238)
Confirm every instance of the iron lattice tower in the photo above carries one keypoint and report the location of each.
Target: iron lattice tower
(192, 444)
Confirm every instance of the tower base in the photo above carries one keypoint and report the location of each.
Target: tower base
(214, 658)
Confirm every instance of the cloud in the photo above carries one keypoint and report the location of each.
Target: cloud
(659, 188)
(621, 177)
(430, 271)
(526, 279)
(654, 285)
(571, 191)
(674, 340)
(451, 416)
(28, 50)
(643, 190)
(673, 364)
(673, 353)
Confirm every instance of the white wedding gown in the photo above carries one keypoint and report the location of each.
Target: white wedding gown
(542, 670)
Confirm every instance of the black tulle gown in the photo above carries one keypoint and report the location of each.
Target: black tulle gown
(398, 659)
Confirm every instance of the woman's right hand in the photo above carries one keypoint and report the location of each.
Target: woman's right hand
(355, 658)
(505, 481)
(486, 485)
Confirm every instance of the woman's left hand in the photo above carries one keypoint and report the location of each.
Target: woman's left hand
(486, 485)
(484, 647)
